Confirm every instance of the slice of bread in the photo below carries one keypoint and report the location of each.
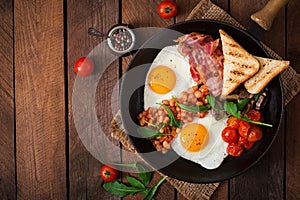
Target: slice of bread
(239, 65)
(269, 68)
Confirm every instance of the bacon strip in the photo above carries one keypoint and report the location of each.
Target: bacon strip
(205, 59)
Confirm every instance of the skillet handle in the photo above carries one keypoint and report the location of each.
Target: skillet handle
(266, 15)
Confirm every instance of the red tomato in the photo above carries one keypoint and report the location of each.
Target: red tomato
(244, 142)
(254, 115)
(167, 9)
(233, 122)
(108, 173)
(254, 134)
(234, 149)
(243, 128)
(230, 135)
(84, 66)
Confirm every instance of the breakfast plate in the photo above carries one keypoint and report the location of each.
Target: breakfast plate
(132, 103)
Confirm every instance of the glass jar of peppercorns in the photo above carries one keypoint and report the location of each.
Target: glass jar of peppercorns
(121, 39)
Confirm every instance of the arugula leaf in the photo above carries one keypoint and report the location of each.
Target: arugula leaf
(173, 122)
(152, 191)
(231, 108)
(121, 189)
(144, 176)
(256, 96)
(134, 182)
(149, 133)
(246, 118)
(212, 102)
(193, 108)
(242, 103)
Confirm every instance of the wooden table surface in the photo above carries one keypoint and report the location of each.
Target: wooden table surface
(42, 156)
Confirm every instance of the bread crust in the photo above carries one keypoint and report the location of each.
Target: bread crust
(239, 65)
(269, 68)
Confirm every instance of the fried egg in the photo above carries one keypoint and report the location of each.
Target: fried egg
(168, 76)
(200, 141)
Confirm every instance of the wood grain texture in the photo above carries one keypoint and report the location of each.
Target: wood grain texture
(292, 110)
(270, 169)
(40, 107)
(85, 182)
(7, 159)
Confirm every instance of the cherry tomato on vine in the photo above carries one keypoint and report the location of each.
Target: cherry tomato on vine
(230, 135)
(254, 115)
(233, 122)
(108, 173)
(84, 66)
(167, 9)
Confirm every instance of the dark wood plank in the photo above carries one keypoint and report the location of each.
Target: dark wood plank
(85, 182)
(7, 159)
(268, 174)
(293, 117)
(40, 107)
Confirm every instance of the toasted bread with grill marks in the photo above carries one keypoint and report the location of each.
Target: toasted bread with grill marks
(269, 68)
(239, 65)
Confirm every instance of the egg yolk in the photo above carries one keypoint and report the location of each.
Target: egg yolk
(193, 136)
(161, 79)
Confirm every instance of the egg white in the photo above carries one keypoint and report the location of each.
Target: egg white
(213, 152)
(169, 57)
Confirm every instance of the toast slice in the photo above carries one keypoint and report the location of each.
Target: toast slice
(269, 68)
(239, 65)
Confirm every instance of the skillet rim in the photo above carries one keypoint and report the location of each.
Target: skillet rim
(247, 34)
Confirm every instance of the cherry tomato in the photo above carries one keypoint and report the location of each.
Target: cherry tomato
(254, 134)
(233, 122)
(108, 173)
(230, 135)
(167, 9)
(84, 66)
(243, 128)
(234, 149)
(245, 143)
(254, 115)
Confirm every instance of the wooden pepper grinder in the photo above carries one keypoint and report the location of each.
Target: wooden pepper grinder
(266, 15)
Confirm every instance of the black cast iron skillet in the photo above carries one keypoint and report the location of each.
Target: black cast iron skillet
(132, 105)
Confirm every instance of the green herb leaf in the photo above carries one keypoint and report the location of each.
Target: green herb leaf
(246, 118)
(242, 103)
(211, 101)
(231, 108)
(134, 182)
(149, 133)
(256, 96)
(144, 176)
(121, 189)
(193, 108)
(152, 191)
(173, 122)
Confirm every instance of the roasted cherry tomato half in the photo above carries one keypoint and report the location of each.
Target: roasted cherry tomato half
(233, 122)
(84, 66)
(244, 142)
(234, 149)
(254, 115)
(230, 135)
(243, 128)
(167, 9)
(255, 133)
(108, 173)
